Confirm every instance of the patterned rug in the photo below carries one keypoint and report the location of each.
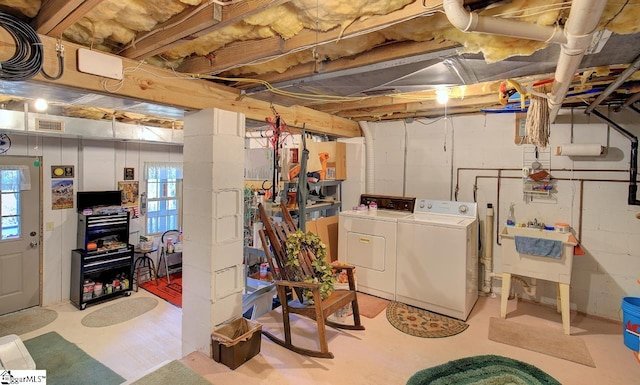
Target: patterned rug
(422, 323)
(483, 370)
(171, 293)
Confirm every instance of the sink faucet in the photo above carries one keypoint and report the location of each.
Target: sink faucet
(535, 224)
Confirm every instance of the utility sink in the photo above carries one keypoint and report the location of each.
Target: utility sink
(551, 269)
(540, 267)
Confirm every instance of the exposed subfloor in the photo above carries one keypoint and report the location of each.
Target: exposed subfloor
(379, 355)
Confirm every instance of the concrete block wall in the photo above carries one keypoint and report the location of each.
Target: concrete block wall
(597, 210)
(213, 208)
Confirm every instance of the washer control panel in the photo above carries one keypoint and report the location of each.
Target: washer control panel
(464, 209)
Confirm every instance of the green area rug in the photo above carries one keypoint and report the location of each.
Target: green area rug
(422, 323)
(483, 370)
(25, 321)
(119, 312)
(67, 364)
(172, 373)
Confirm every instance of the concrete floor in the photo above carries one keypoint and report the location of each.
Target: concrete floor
(379, 355)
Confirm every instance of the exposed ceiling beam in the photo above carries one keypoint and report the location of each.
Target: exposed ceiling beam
(230, 55)
(470, 94)
(151, 84)
(191, 23)
(56, 16)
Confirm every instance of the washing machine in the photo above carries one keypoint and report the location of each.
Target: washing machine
(367, 240)
(437, 259)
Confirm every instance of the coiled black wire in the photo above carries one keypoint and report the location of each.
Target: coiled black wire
(28, 58)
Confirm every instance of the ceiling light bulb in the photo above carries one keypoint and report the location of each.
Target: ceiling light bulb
(40, 105)
(442, 95)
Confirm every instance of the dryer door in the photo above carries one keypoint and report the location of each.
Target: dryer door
(366, 250)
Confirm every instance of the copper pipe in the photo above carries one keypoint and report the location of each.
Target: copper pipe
(581, 180)
(580, 214)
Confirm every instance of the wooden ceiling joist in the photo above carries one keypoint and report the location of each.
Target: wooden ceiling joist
(156, 85)
(306, 38)
(56, 16)
(191, 23)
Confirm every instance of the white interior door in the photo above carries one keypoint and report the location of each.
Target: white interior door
(19, 233)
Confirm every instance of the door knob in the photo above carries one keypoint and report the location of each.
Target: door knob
(33, 244)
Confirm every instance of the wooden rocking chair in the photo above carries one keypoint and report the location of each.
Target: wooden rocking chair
(289, 279)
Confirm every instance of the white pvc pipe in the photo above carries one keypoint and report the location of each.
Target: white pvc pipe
(368, 148)
(581, 24)
(473, 22)
(487, 260)
(575, 38)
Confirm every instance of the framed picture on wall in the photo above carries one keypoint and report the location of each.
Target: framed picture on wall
(129, 173)
(62, 171)
(130, 193)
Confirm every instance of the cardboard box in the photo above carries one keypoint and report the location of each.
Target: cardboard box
(327, 230)
(337, 161)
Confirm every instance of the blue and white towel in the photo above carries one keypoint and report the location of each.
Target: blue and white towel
(539, 246)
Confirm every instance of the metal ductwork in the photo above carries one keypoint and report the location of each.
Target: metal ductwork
(368, 148)
(574, 38)
(68, 127)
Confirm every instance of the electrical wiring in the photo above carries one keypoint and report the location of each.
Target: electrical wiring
(28, 57)
(537, 10)
(60, 54)
(278, 91)
(432, 122)
(311, 97)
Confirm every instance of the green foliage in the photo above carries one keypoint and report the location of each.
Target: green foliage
(299, 241)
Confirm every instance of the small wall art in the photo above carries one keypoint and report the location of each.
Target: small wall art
(62, 194)
(129, 173)
(58, 172)
(130, 193)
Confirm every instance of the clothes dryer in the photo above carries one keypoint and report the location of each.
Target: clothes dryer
(367, 240)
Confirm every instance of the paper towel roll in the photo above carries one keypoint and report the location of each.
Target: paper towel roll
(573, 149)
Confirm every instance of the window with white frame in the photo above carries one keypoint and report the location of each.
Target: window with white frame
(13, 179)
(164, 197)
